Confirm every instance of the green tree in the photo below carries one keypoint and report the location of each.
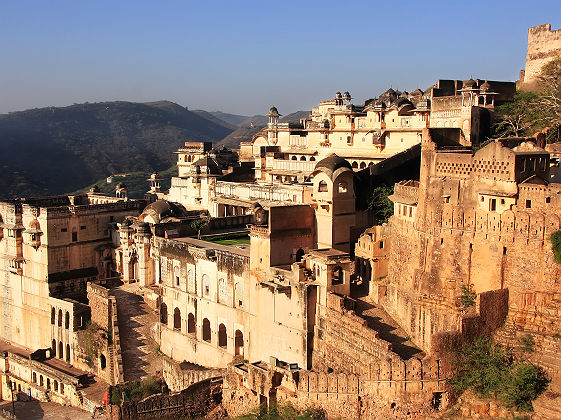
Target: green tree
(380, 205)
(519, 117)
(199, 225)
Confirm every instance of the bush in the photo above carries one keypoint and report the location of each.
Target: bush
(556, 245)
(524, 384)
(491, 371)
(527, 343)
(283, 412)
(467, 297)
(136, 390)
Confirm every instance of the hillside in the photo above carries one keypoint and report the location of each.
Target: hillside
(209, 116)
(232, 119)
(136, 182)
(56, 150)
(246, 132)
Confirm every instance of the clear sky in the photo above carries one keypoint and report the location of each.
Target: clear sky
(244, 56)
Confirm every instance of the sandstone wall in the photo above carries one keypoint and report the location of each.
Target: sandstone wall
(543, 45)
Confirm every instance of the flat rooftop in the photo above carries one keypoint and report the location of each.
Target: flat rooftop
(232, 249)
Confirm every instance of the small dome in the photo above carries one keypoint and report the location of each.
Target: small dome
(469, 84)
(121, 186)
(331, 164)
(338, 95)
(347, 96)
(273, 112)
(485, 86)
(160, 210)
(417, 92)
(155, 176)
(94, 189)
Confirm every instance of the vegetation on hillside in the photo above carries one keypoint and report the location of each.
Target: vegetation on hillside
(530, 112)
(137, 182)
(492, 370)
(51, 151)
(283, 412)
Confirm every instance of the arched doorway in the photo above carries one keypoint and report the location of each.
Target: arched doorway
(191, 324)
(299, 255)
(102, 362)
(222, 337)
(176, 319)
(60, 350)
(238, 343)
(164, 313)
(206, 330)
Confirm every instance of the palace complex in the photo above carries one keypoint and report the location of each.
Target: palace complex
(317, 304)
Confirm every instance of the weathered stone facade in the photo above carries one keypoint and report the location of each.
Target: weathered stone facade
(543, 46)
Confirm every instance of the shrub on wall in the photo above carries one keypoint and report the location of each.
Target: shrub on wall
(556, 245)
(492, 371)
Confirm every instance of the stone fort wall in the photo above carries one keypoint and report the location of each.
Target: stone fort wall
(543, 45)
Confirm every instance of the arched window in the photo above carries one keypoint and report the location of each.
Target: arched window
(206, 286)
(177, 319)
(53, 316)
(68, 353)
(322, 187)
(342, 187)
(41, 380)
(48, 384)
(60, 317)
(55, 386)
(102, 362)
(238, 343)
(67, 320)
(362, 165)
(164, 313)
(337, 275)
(312, 159)
(206, 330)
(60, 350)
(303, 158)
(238, 295)
(222, 295)
(34, 378)
(299, 254)
(355, 165)
(53, 348)
(294, 158)
(222, 337)
(191, 328)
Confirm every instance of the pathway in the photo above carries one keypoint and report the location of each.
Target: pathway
(138, 348)
(388, 330)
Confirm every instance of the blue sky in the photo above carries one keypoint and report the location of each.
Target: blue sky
(244, 56)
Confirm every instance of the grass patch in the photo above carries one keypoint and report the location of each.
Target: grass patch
(229, 239)
(283, 412)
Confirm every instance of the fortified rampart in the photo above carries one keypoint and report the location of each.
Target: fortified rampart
(543, 45)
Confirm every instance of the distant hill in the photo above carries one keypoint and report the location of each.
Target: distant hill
(136, 182)
(246, 132)
(233, 140)
(232, 119)
(209, 116)
(295, 116)
(56, 150)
